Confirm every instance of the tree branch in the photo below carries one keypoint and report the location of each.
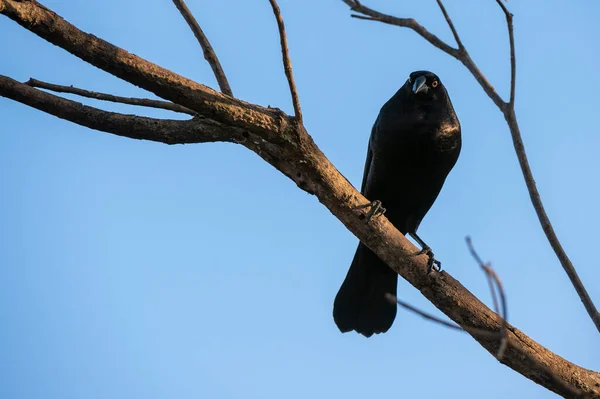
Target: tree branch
(513, 59)
(492, 278)
(507, 109)
(209, 52)
(287, 63)
(536, 200)
(286, 145)
(394, 300)
(136, 70)
(166, 131)
(451, 25)
(403, 22)
(144, 102)
(493, 282)
(463, 56)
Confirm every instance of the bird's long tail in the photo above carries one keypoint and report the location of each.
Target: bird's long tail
(361, 303)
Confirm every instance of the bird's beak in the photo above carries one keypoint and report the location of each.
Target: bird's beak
(420, 85)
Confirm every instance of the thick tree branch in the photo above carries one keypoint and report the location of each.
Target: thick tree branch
(198, 130)
(287, 63)
(136, 70)
(287, 146)
(144, 102)
(507, 108)
(209, 53)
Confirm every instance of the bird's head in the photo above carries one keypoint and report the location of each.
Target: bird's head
(425, 86)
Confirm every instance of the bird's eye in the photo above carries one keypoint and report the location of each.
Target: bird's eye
(435, 84)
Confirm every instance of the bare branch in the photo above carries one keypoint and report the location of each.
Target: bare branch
(536, 200)
(209, 52)
(503, 311)
(394, 300)
(167, 131)
(403, 22)
(287, 63)
(144, 102)
(492, 278)
(507, 108)
(357, 16)
(451, 25)
(490, 281)
(513, 60)
(460, 54)
(136, 70)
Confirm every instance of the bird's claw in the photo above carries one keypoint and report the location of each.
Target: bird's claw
(431, 260)
(376, 209)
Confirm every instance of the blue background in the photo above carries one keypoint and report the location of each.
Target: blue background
(133, 269)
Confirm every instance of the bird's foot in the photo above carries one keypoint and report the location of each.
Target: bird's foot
(432, 262)
(376, 209)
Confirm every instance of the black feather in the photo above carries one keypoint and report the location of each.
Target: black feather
(414, 144)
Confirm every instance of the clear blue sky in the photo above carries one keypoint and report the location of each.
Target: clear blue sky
(132, 269)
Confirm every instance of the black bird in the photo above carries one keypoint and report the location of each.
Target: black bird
(414, 144)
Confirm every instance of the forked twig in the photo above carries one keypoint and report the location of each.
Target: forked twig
(209, 52)
(508, 110)
(144, 102)
(494, 282)
(494, 279)
(451, 25)
(287, 63)
(513, 60)
(168, 131)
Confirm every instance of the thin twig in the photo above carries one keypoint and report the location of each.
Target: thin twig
(144, 102)
(168, 131)
(513, 60)
(451, 25)
(488, 276)
(460, 54)
(403, 22)
(502, 312)
(511, 120)
(209, 52)
(534, 195)
(493, 291)
(477, 331)
(393, 299)
(493, 276)
(287, 64)
(364, 17)
(507, 108)
(536, 200)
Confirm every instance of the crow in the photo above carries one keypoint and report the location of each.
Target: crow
(414, 143)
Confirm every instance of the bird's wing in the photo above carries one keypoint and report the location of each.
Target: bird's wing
(367, 162)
